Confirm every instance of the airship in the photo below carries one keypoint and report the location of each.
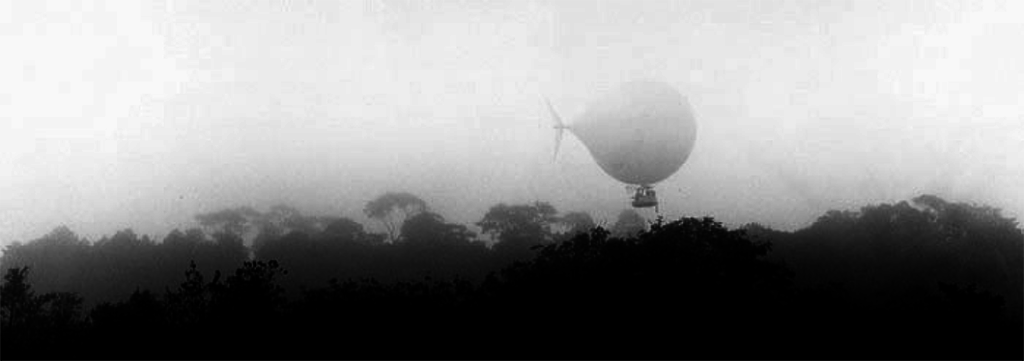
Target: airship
(640, 134)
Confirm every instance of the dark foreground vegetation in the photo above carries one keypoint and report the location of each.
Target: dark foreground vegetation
(926, 279)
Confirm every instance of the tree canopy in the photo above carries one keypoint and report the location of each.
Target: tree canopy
(392, 209)
(628, 223)
(520, 226)
(577, 222)
(921, 278)
(431, 229)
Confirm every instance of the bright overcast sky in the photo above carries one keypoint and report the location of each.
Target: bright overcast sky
(119, 114)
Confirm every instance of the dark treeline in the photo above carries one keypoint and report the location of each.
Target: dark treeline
(921, 279)
(417, 243)
(930, 273)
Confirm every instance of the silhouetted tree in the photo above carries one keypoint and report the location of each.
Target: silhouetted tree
(62, 309)
(188, 240)
(125, 240)
(18, 302)
(519, 227)
(392, 209)
(284, 218)
(924, 278)
(189, 303)
(888, 264)
(54, 258)
(230, 246)
(628, 223)
(33, 326)
(757, 232)
(136, 323)
(430, 229)
(234, 221)
(577, 222)
(429, 246)
(606, 290)
(345, 230)
(250, 297)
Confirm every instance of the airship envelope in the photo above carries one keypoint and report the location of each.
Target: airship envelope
(639, 134)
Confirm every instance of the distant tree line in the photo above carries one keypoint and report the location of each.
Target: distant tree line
(921, 279)
(418, 242)
(953, 271)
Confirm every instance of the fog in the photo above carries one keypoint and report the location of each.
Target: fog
(143, 114)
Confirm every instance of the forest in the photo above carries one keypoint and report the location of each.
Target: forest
(923, 278)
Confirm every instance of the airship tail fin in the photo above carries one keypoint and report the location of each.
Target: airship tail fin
(559, 126)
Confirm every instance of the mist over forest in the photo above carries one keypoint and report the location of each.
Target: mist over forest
(923, 278)
(384, 179)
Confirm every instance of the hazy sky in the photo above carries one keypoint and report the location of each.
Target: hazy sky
(142, 114)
